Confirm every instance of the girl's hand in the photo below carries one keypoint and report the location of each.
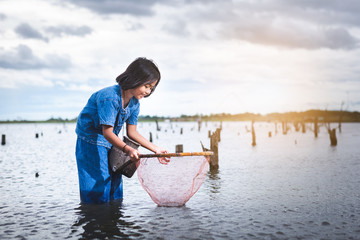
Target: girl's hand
(162, 160)
(132, 153)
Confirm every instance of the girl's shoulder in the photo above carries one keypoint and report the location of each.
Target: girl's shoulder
(109, 92)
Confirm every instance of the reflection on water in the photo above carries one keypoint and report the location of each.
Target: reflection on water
(214, 182)
(291, 186)
(101, 221)
(175, 223)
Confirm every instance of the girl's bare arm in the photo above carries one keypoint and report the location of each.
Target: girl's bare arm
(116, 141)
(137, 137)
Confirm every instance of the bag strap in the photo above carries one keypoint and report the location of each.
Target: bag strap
(117, 118)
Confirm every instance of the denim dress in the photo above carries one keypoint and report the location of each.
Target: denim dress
(97, 182)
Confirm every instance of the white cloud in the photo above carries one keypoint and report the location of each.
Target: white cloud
(22, 57)
(13, 79)
(214, 56)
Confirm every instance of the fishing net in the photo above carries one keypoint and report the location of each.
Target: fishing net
(175, 183)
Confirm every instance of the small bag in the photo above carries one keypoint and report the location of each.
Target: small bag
(120, 162)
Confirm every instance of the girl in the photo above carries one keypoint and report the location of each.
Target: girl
(100, 122)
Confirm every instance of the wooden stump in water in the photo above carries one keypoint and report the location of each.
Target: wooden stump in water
(214, 146)
(179, 148)
(303, 127)
(297, 126)
(253, 134)
(3, 139)
(285, 127)
(157, 125)
(333, 139)
(218, 134)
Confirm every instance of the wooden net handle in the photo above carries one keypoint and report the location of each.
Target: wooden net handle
(184, 154)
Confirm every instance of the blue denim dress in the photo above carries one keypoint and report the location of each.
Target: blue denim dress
(97, 182)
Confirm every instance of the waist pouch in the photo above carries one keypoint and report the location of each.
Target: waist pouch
(120, 161)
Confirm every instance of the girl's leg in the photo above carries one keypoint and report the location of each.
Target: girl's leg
(116, 191)
(93, 170)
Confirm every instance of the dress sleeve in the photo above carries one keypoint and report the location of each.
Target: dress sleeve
(133, 119)
(107, 110)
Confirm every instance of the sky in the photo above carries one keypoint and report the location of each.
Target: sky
(217, 56)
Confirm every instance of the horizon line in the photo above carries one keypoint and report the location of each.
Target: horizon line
(187, 116)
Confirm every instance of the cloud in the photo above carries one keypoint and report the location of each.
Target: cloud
(26, 31)
(290, 24)
(62, 30)
(134, 26)
(351, 6)
(137, 8)
(323, 12)
(23, 58)
(177, 27)
(305, 24)
(2, 16)
(299, 24)
(293, 35)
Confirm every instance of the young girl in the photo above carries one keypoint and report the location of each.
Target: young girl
(100, 122)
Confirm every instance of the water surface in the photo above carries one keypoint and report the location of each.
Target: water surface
(292, 186)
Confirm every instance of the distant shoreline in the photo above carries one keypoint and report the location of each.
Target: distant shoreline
(306, 116)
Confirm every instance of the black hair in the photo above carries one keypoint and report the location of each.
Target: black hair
(141, 71)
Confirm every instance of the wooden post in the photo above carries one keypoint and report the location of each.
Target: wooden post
(199, 124)
(339, 125)
(303, 127)
(179, 148)
(316, 128)
(214, 147)
(297, 126)
(218, 134)
(333, 139)
(3, 140)
(284, 127)
(270, 134)
(157, 125)
(253, 134)
(150, 137)
(36, 135)
(341, 115)
(181, 131)
(214, 159)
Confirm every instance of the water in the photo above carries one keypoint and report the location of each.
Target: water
(290, 186)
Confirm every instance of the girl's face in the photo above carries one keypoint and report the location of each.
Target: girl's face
(143, 90)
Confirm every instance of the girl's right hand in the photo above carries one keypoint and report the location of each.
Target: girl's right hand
(132, 153)
(162, 160)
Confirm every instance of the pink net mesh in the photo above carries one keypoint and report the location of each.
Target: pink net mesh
(175, 183)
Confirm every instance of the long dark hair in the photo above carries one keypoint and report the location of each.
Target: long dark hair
(140, 71)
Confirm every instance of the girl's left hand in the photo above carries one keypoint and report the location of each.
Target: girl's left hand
(162, 160)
